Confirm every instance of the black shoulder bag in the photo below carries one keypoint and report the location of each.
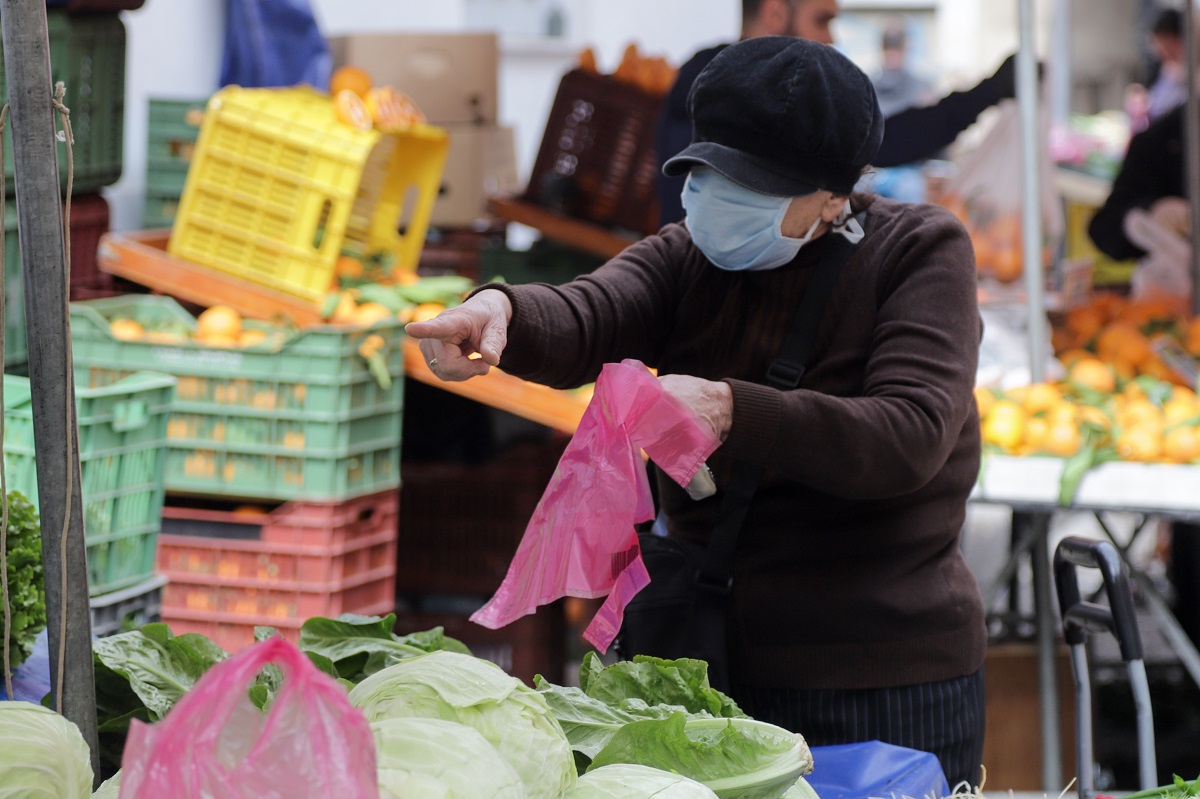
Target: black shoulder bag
(683, 611)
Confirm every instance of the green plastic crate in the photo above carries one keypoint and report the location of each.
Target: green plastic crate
(122, 436)
(159, 209)
(87, 53)
(544, 262)
(301, 420)
(171, 133)
(16, 346)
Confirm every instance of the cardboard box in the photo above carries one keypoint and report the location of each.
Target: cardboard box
(452, 77)
(482, 161)
(1012, 745)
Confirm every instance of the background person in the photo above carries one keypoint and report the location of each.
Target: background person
(851, 598)
(910, 135)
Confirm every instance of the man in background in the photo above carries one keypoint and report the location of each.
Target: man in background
(910, 135)
(898, 87)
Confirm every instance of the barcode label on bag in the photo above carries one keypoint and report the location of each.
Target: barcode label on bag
(621, 560)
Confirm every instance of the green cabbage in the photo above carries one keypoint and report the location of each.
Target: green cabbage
(736, 758)
(455, 687)
(801, 790)
(434, 758)
(42, 755)
(628, 781)
(111, 789)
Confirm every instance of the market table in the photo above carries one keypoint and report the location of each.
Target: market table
(1030, 487)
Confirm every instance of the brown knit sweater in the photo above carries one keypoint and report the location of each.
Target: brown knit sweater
(848, 572)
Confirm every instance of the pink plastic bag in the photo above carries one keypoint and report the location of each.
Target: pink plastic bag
(581, 540)
(310, 744)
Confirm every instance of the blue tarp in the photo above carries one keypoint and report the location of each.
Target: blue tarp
(273, 43)
(875, 769)
(31, 680)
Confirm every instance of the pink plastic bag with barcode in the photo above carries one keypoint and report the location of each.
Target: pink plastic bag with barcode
(581, 541)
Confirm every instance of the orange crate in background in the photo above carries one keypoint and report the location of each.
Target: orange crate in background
(231, 571)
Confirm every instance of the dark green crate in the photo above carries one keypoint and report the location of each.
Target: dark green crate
(159, 210)
(87, 53)
(16, 348)
(165, 181)
(301, 419)
(544, 262)
(172, 131)
(122, 453)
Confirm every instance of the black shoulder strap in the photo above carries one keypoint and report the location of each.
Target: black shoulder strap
(785, 373)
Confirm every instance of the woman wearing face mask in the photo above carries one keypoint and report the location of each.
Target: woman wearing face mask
(854, 616)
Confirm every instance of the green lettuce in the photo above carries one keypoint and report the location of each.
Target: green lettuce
(680, 683)
(44, 755)
(736, 758)
(430, 757)
(627, 781)
(454, 687)
(111, 789)
(26, 587)
(359, 646)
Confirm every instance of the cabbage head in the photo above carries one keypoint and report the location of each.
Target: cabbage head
(111, 789)
(42, 755)
(630, 781)
(451, 686)
(434, 758)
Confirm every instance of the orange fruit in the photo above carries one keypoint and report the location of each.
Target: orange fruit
(352, 110)
(1085, 322)
(218, 341)
(219, 321)
(348, 266)
(587, 61)
(1041, 397)
(1062, 440)
(1182, 444)
(1005, 425)
(1094, 374)
(1007, 264)
(1140, 443)
(984, 400)
(125, 329)
(1037, 429)
(1097, 416)
(1068, 357)
(391, 110)
(343, 314)
(249, 338)
(404, 277)
(1123, 341)
(369, 313)
(350, 78)
(426, 311)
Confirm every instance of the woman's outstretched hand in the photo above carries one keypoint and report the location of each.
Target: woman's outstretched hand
(467, 340)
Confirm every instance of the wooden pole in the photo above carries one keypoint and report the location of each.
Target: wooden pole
(43, 259)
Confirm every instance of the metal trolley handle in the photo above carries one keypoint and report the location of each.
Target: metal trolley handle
(1079, 617)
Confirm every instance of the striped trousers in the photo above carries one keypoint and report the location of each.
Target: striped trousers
(944, 718)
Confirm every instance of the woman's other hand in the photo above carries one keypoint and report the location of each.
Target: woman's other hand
(710, 400)
(467, 340)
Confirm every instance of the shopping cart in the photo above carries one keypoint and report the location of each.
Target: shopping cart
(1080, 616)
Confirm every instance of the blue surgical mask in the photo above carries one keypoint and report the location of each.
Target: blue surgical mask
(736, 228)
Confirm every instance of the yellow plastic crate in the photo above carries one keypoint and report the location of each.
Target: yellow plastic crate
(278, 187)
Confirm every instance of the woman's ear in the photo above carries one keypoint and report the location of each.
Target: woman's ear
(832, 208)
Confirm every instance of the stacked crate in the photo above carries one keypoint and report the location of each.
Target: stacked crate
(87, 54)
(173, 127)
(282, 467)
(122, 435)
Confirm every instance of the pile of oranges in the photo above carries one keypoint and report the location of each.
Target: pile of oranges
(1143, 419)
(1119, 332)
(362, 105)
(995, 236)
(218, 326)
(651, 74)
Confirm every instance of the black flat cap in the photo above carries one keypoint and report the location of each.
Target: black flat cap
(782, 116)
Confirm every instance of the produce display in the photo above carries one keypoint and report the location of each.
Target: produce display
(26, 591)
(41, 754)
(651, 74)
(1127, 335)
(449, 724)
(362, 105)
